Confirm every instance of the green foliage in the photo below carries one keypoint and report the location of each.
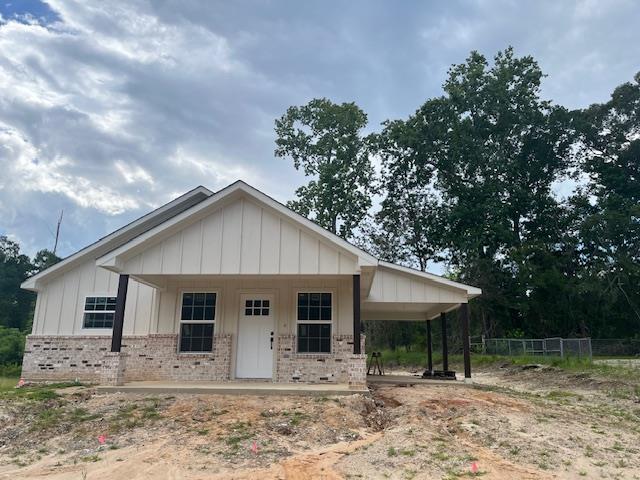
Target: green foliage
(469, 180)
(325, 140)
(610, 210)
(16, 304)
(43, 260)
(8, 382)
(483, 159)
(11, 345)
(12, 370)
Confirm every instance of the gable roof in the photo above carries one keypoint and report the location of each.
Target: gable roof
(122, 235)
(471, 291)
(110, 259)
(107, 249)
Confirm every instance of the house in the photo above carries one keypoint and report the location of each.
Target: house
(219, 287)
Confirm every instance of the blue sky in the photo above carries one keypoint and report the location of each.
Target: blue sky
(108, 110)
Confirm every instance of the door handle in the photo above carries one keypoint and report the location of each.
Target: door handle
(271, 339)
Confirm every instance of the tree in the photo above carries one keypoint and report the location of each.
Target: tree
(15, 303)
(471, 174)
(11, 345)
(610, 231)
(409, 214)
(325, 140)
(43, 260)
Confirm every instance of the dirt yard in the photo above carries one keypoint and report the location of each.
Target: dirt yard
(511, 424)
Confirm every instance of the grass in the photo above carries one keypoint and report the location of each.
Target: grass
(90, 458)
(417, 358)
(47, 419)
(238, 432)
(8, 383)
(131, 415)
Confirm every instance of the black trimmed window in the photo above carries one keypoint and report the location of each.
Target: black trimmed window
(197, 320)
(314, 322)
(99, 312)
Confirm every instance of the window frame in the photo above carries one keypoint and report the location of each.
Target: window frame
(332, 322)
(96, 330)
(179, 322)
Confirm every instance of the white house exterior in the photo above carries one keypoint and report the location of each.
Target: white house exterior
(220, 287)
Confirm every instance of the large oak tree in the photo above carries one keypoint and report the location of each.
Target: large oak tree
(325, 140)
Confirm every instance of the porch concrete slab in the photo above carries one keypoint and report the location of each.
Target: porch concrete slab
(233, 388)
(406, 380)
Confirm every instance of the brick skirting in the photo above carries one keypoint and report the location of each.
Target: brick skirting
(152, 357)
(156, 357)
(339, 366)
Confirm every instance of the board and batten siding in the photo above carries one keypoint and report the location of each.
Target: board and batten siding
(242, 237)
(397, 287)
(283, 289)
(60, 303)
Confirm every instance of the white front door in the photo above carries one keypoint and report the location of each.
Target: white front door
(256, 329)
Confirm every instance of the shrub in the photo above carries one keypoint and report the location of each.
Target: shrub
(11, 345)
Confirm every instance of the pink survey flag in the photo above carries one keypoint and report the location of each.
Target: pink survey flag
(254, 447)
(474, 468)
(102, 439)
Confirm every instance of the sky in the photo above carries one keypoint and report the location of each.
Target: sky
(111, 109)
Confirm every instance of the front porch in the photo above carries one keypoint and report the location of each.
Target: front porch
(245, 342)
(280, 329)
(239, 387)
(234, 387)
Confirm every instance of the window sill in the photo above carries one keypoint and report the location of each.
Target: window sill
(96, 331)
(196, 354)
(312, 354)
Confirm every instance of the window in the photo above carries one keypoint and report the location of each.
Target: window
(314, 322)
(99, 312)
(197, 318)
(256, 307)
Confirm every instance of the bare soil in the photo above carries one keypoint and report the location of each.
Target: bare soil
(510, 424)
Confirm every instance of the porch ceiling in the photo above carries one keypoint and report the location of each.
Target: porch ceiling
(404, 311)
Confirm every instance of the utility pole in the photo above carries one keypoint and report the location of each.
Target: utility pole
(55, 245)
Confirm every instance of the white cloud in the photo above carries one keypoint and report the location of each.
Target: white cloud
(107, 110)
(133, 173)
(23, 168)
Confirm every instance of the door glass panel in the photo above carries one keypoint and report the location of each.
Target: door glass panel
(257, 307)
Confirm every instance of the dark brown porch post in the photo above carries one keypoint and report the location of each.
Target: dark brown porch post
(445, 349)
(118, 316)
(429, 348)
(356, 314)
(466, 347)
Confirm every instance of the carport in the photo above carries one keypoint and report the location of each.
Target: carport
(405, 294)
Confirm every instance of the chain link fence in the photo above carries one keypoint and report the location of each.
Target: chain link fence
(616, 347)
(556, 347)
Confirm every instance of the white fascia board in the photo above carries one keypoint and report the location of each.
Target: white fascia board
(364, 258)
(31, 283)
(472, 292)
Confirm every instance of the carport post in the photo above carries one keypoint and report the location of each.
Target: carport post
(356, 314)
(429, 348)
(118, 316)
(445, 349)
(466, 347)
